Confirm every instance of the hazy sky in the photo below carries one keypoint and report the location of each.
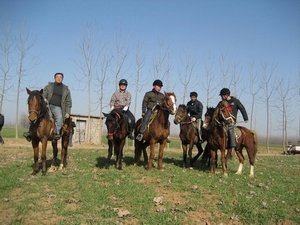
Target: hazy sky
(263, 31)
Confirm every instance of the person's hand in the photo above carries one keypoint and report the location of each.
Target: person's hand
(193, 119)
(46, 101)
(67, 115)
(143, 114)
(111, 108)
(125, 108)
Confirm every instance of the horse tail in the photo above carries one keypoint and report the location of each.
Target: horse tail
(255, 142)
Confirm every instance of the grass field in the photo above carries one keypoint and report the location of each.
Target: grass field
(86, 193)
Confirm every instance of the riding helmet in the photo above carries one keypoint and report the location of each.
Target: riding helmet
(225, 91)
(158, 83)
(123, 82)
(193, 93)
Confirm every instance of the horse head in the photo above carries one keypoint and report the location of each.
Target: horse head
(224, 114)
(112, 122)
(208, 116)
(180, 114)
(36, 105)
(170, 102)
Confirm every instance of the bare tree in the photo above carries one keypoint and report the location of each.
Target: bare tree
(102, 81)
(268, 87)
(25, 44)
(285, 89)
(6, 47)
(87, 69)
(186, 76)
(120, 56)
(225, 67)
(236, 80)
(254, 88)
(159, 61)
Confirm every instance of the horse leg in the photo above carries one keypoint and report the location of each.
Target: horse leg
(64, 150)
(137, 151)
(43, 157)
(54, 160)
(120, 155)
(200, 150)
(161, 154)
(224, 165)
(109, 155)
(251, 155)
(212, 161)
(35, 146)
(241, 160)
(151, 155)
(184, 154)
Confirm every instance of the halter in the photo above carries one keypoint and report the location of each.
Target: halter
(38, 113)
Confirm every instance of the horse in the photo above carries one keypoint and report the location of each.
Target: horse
(158, 130)
(117, 131)
(41, 129)
(217, 120)
(188, 135)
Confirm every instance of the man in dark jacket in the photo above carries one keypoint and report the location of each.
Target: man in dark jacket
(59, 98)
(235, 105)
(151, 99)
(195, 109)
(1, 125)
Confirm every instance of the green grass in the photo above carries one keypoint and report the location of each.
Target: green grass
(10, 132)
(86, 193)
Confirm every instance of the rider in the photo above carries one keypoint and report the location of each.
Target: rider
(151, 99)
(122, 99)
(235, 105)
(195, 109)
(59, 98)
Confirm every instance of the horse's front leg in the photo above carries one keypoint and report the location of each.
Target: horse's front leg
(151, 155)
(120, 155)
(224, 162)
(54, 160)
(109, 155)
(213, 154)
(35, 146)
(64, 151)
(184, 154)
(161, 154)
(241, 161)
(44, 157)
(200, 150)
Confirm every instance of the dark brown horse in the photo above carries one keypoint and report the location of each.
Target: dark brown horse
(217, 120)
(188, 135)
(157, 131)
(41, 130)
(117, 131)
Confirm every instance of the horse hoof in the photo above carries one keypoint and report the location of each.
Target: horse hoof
(225, 175)
(61, 166)
(191, 168)
(52, 169)
(251, 175)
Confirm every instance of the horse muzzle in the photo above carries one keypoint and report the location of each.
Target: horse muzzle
(205, 126)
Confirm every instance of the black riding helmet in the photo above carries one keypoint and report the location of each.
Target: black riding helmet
(158, 83)
(225, 91)
(123, 82)
(193, 93)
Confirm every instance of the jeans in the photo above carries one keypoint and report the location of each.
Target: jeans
(56, 110)
(145, 120)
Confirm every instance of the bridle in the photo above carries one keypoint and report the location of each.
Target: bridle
(37, 112)
(164, 105)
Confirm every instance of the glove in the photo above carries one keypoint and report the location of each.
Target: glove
(67, 115)
(143, 114)
(111, 108)
(125, 108)
(193, 119)
(46, 101)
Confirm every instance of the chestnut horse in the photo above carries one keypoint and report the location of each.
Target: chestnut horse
(217, 120)
(157, 131)
(117, 131)
(188, 135)
(41, 130)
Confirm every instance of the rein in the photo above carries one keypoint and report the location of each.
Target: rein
(118, 125)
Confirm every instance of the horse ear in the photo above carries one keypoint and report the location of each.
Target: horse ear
(105, 114)
(41, 91)
(28, 91)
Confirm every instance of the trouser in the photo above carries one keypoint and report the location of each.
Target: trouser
(145, 120)
(57, 112)
(131, 120)
(231, 136)
(70, 139)
(199, 124)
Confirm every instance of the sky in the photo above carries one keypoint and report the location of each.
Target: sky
(242, 32)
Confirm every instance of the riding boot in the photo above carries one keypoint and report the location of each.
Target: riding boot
(27, 136)
(130, 130)
(199, 123)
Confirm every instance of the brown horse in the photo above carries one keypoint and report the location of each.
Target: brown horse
(217, 120)
(188, 135)
(157, 132)
(117, 131)
(41, 130)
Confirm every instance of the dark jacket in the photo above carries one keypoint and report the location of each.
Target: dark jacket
(195, 109)
(1, 120)
(66, 100)
(236, 105)
(152, 98)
